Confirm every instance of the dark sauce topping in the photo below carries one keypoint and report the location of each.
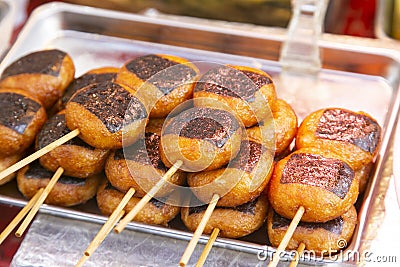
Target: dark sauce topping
(156, 70)
(36, 171)
(213, 125)
(145, 152)
(85, 80)
(248, 157)
(227, 81)
(112, 104)
(330, 174)
(54, 129)
(334, 226)
(44, 62)
(17, 111)
(356, 129)
(247, 208)
(159, 203)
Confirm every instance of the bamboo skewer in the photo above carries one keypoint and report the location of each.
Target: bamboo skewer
(39, 202)
(20, 164)
(139, 206)
(107, 227)
(20, 216)
(300, 251)
(208, 247)
(286, 238)
(200, 228)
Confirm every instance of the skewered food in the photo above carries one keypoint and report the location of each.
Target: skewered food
(154, 212)
(45, 74)
(103, 112)
(6, 162)
(320, 181)
(164, 81)
(283, 131)
(68, 191)
(22, 117)
(77, 158)
(246, 91)
(355, 136)
(318, 237)
(139, 165)
(99, 75)
(234, 222)
(241, 181)
(203, 138)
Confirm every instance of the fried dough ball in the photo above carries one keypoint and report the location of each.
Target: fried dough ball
(355, 136)
(77, 158)
(21, 118)
(103, 112)
(68, 191)
(365, 174)
(45, 74)
(284, 127)
(320, 181)
(321, 238)
(244, 90)
(233, 222)
(98, 75)
(164, 81)
(202, 138)
(139, 166)
(154, 212)
(6, 162)
(239, 182)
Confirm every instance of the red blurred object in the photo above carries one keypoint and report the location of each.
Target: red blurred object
(351, 17)
(11, 244)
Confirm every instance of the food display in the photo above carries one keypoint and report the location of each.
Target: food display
(248, 150)
(107, 102)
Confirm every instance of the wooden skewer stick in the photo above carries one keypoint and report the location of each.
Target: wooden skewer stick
(39, 202)
(199, 230)
(107, 227)
(300, 251)
(286, 238)
(139, 206)
(208, 247)
(20, 216)
(20, 164)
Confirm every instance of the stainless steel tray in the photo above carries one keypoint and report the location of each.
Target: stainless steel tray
(354, 76)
